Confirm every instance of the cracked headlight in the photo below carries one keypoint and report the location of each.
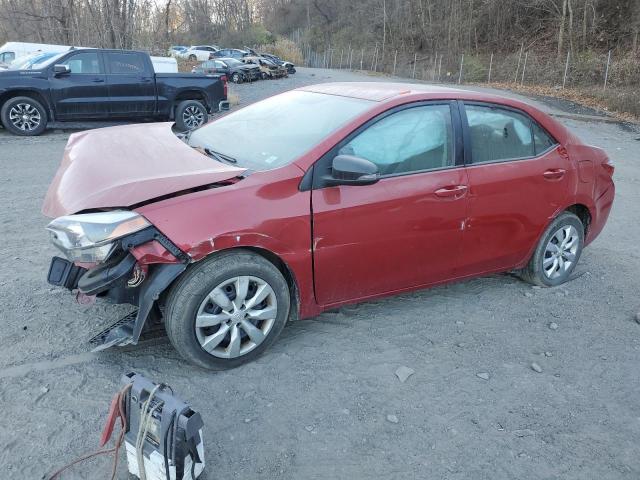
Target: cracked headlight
(90, 237)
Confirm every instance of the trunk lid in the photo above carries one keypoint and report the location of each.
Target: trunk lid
(125, 165)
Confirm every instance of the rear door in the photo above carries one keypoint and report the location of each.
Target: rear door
(518, 179)
(81, 94)
(403, 231)
(131, 84)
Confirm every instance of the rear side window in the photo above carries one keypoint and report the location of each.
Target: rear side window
(412, 140)
(498, 134)
(125, 63)
(542, 141)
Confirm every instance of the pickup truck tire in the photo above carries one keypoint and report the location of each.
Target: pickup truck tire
(190, 114)
(23, 116)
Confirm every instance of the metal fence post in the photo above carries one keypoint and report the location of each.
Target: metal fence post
(350, 58)
(415, 60)
(439, 66)
(361, 58)
(461, 65)
(606, 72)
(490, 65)
(524, 66)
(341, 53)
(515, 77)
(395, 58)
(566, 69)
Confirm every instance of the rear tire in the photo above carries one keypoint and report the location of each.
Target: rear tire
(23, 116)
(190, 114)
(193, 58)
(557, 252)
(200, 328)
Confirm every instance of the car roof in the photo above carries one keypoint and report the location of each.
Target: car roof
(390, 91)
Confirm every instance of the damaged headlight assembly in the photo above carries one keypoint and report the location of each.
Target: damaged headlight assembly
(91, 237)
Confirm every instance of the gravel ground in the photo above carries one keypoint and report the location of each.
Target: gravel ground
(324, 401)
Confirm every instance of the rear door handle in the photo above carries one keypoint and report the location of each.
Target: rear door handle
(98, 80)
(453, 191)
(554, 174)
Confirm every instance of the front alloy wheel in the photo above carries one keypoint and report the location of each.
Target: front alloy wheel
(23, 116)
(236, 316)
(227, 309)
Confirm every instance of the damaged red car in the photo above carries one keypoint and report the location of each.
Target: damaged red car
(318, 197)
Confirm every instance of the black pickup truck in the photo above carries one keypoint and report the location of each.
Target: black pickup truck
(96, 84)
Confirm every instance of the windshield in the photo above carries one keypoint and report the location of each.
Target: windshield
(278, 130)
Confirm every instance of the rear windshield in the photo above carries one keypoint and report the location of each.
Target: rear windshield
(276, 131)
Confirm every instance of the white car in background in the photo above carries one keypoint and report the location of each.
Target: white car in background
(198, 52)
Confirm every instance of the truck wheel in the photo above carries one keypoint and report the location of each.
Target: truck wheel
(236, 78)
(23, 116)
(190, 114)
(227, 309)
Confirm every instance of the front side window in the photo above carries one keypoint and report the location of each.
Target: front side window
(125, 63)
(86, 62)
(498, 134)
(412, 140)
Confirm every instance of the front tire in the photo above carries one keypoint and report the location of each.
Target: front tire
(23, 116)
(557, 253)
(227, 309)
(236, 78)
(190, 114)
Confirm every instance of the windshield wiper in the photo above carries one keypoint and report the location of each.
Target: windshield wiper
(220, 157)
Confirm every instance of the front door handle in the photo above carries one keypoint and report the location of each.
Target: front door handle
(452, 191)
(98, 80)
(554, 174)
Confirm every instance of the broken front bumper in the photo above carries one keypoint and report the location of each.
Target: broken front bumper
(112, 281)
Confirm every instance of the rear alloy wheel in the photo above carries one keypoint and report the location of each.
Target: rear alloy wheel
(226, 310)
(193, 58)
(557, 252)
(190, 115)
(24, 116)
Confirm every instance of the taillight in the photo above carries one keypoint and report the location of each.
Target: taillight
(224, 85)
(608, 167)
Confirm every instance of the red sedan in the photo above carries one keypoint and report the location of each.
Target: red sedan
(318, 197)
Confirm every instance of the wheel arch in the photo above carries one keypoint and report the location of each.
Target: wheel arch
(34, 94)
(582, 212)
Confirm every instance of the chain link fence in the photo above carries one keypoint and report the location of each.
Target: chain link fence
(523, 67)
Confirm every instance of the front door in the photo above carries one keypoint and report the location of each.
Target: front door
(82, 93)
(406, 229)
(518, 179)
(132, 88)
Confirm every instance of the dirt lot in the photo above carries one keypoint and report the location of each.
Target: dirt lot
(324, 402)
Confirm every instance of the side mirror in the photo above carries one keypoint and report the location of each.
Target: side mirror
(352, 170)
(61, 70)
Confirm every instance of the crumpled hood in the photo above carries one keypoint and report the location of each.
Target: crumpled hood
(125, 165)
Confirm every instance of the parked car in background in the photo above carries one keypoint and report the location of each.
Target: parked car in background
(175, 49)
(93, 84)
(268, 69)
(235, 70)
(11, 51)
(319, 197)
(198, 53)
(291, 68)
(231, 53)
